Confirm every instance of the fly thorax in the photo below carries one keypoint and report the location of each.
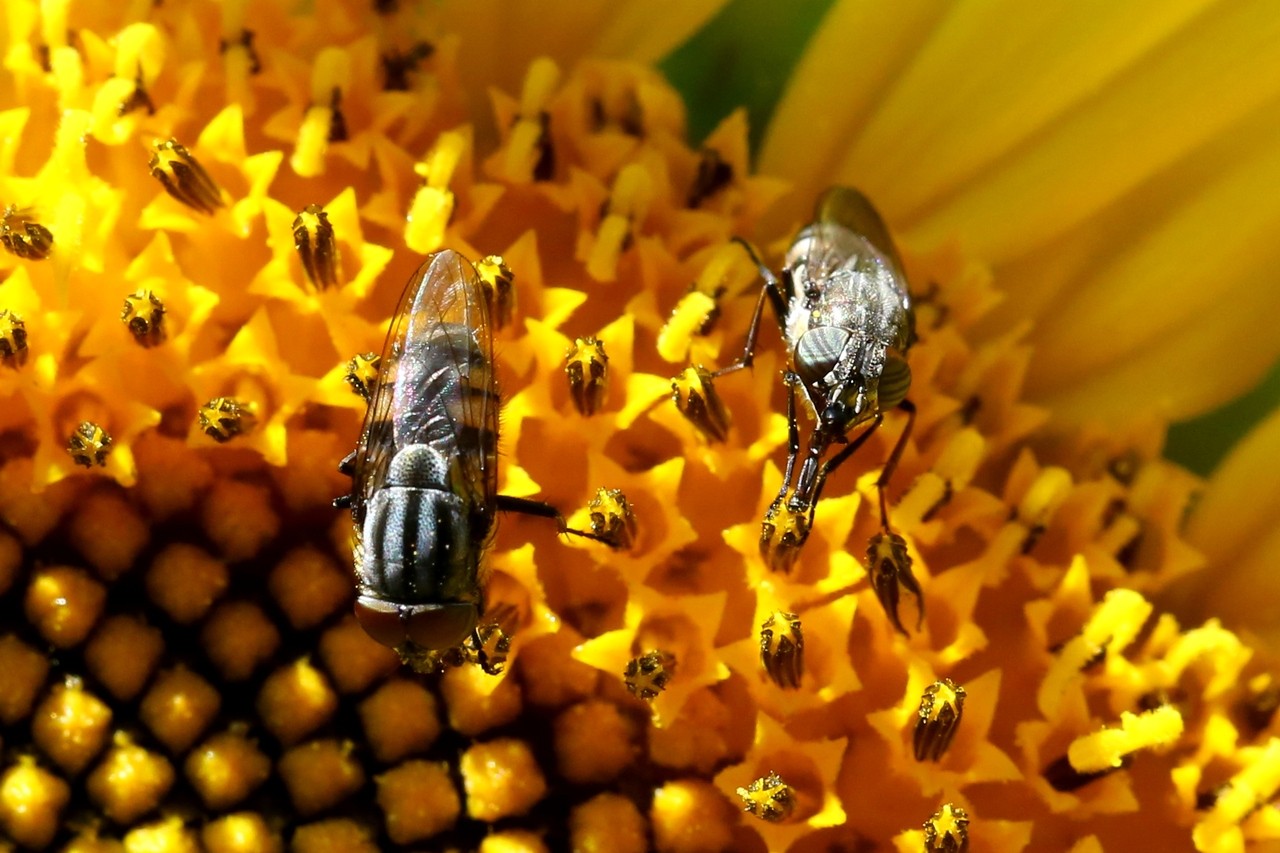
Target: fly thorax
(419, 465)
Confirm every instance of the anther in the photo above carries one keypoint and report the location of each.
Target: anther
(488, 647)
(695, 396)
(143, 316)
(244, 41)
(769, 798)
(889, 567)
(362, 374)
(397, 66)
(714, 174)
(13, 339)
(947, 830)
(782, 649)
(783, 533)
(316, 246)
(941, 707)
(499, 284)
(23, 236)
(89, 445)
(183, 177)
(587, 366)
(647, 675)
(224, 418)
(612, 518)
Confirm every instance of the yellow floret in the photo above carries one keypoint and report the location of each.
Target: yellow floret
(502, 778)
(122, 653)
(295, 700)
(594, 741)
(308, 586)
(226, 768)
(513, 841)
(476, 702)
(185, 581)
(31, 799)
(338, 835)
(25, 669)
(608, 823)
(418, 799)
(63, 604)
(164, 836)
(400, 718)
(109, 532)
(320, 774)
(691, 815)
(71, 725)
(238, 517)
(178, 707)
(238, 637)
(130, 781)
(243, 832)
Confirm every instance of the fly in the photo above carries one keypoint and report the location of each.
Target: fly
(845, 312)
(424, 473)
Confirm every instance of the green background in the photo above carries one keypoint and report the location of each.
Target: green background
(744, 56)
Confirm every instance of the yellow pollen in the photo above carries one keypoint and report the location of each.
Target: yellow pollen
(89, 445)
(612, 518)
(224, 418)
(587, 367)
(499, 283)
(183, 177)
(143, 316)
(1106, 749)
(769, 798)
(432, 207)
(22, 236)
(696, 397)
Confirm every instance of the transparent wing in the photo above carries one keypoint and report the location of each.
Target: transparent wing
(377, 443)
(435, 385)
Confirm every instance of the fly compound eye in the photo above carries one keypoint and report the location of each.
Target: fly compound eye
(427, 626)
(440, 626)
(818, 353)
(380, 620)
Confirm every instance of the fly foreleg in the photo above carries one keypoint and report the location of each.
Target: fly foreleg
(839, 459)
(770, 292)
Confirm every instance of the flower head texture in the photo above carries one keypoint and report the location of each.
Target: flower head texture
(1006, 624)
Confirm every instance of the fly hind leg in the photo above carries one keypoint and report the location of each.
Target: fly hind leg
(541, 509)
(891, 464)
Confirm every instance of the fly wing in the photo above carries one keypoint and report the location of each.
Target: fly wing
(850, 208)
(377, 437)
(445, 394)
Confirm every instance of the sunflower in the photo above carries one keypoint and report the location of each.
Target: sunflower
(210, 211)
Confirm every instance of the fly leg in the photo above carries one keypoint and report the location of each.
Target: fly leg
(793, 435)
(346, 466)
(541, 509)
(892, 462)
(836, 461)
(771, 292)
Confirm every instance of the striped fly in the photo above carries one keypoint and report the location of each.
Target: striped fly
(424, 474)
